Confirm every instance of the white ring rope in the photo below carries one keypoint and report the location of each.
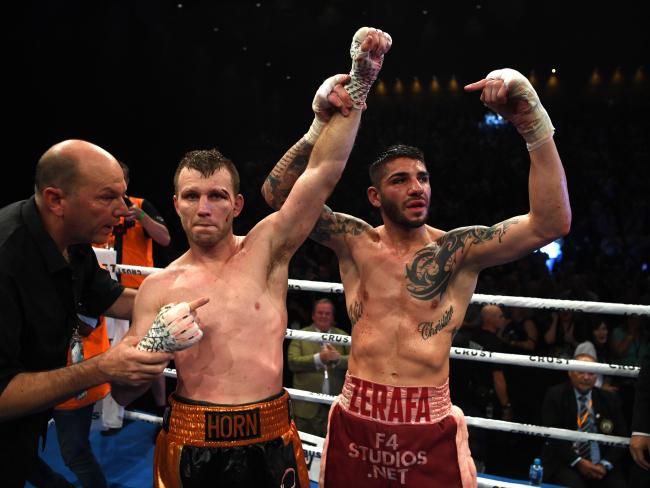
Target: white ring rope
(487, 356)
(480, 422)
(462, 353)
(477, 298)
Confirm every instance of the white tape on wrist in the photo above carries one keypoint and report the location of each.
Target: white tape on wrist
(532, 122)
(173, 329)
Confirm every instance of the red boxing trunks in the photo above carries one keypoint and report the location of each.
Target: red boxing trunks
(255, 444)
(392, 436)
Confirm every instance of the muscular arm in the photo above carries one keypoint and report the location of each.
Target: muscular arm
(548, 219)
(27, 393)
(304, 204)
(510, 94)
(146, 306)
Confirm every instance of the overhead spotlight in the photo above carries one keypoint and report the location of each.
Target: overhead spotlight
(416, 87)
(617, 77)
(453, 83)
(595, 77)
(435, 84)
(381, 88)
(553, 70)
(399, 87)
(179, 5)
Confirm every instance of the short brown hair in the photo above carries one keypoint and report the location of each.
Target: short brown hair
(207, 162)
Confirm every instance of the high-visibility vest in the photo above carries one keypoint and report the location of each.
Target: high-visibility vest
(93, 344)
(137, 248)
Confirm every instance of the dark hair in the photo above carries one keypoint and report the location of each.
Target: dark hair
(377, 169)
(207, 162)
(56, 170)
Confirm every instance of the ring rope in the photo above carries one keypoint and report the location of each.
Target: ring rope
(480, 422)
(545, 362)
(477, 298)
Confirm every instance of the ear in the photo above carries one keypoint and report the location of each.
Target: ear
(54, 200)
(374, 197)
(239, 204)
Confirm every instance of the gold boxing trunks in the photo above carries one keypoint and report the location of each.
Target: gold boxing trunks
(254, 444)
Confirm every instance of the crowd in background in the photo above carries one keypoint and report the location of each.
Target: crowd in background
(479, 176)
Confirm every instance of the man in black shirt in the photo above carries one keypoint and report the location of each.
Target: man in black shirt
(49, 275)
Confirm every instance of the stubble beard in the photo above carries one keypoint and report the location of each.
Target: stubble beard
(393, 213)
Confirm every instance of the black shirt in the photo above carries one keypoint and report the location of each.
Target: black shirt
(40, 296)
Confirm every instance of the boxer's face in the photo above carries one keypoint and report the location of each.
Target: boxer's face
(404, 193)
(206, 206)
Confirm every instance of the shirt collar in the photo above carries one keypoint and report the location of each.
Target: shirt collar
(54, 260)
(579, 394)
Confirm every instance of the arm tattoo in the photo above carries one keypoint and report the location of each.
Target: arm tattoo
(287, 171)
(331, 224)
(427, 329)
(355, 311)
(428, 274)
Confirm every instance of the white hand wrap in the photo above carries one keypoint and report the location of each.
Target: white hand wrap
(365, 68)
(529, 118)
(322, 108)
(173, 329)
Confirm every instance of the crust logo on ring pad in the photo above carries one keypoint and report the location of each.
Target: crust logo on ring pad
(233, 425)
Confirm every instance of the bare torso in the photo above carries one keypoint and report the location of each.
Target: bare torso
(405, 306)
(239, 359)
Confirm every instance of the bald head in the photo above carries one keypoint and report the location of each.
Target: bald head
(492, 317)
(67, 163)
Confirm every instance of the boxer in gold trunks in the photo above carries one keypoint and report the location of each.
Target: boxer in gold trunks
(407, 287)
(229, 423)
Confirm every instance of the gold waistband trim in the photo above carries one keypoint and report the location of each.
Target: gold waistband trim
(228, 425)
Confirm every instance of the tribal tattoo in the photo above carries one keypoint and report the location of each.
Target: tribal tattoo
(427, 329)
(428, 274)
(355, 311)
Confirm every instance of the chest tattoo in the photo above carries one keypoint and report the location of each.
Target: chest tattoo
(427, 276)
(427, 329)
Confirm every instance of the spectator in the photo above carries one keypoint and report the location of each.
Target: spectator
(318, 368)
(598, 346)
(583, 464)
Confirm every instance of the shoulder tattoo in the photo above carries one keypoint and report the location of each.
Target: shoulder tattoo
(428, 274)
(331, 224)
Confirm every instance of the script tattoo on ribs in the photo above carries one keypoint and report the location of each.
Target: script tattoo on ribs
(427, 329)
(428, 274)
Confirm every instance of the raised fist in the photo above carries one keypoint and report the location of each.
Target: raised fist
(510, 94)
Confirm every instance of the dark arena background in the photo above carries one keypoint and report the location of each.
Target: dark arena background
(149, 80)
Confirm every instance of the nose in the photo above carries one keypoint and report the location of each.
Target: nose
(416, 187)
(204, 206)
(122, 209)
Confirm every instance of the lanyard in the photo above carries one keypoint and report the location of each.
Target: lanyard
(582, 420)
